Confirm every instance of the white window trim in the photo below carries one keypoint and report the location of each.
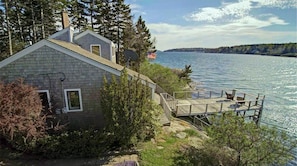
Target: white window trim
(47, 95)
(66, 100)
(96, 45)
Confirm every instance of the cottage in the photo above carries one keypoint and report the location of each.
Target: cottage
(68, 71)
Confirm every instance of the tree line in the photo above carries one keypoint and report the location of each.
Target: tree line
(285, 49)
(27, 22)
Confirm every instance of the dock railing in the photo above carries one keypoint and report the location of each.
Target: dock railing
(240, 102)
(168, 103)
(196, 94)
(208, 108)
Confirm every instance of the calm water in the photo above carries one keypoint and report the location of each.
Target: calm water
(275, 77)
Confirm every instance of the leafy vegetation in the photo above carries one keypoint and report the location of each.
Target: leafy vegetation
(128, 110)
(72, 144)
(230, 141)
(21, 119)
(163, 76)
(248, 143)
(184, 74)
(286, 49)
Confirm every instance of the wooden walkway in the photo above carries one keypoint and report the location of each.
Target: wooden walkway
(194, 103)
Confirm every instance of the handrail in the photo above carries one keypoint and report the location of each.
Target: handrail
(165, 105)
(196, 94)
(187, 107)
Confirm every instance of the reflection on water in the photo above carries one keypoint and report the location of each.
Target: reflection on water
(275, 77)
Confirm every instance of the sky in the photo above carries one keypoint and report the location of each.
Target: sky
(216, 23)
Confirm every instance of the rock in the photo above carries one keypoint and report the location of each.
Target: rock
(153, 140)
(181, 135)
(160, 147)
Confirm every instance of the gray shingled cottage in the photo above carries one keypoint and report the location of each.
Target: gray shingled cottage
(68, 71)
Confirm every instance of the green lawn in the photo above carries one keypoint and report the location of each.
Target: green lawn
(166, 148)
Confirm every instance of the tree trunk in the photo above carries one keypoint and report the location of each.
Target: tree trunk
(42, 23)
(19, 23)
(33, 23)
(8, 28)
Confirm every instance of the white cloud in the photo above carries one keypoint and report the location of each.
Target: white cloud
(228, 11)
(283, 4)
(246, 30)
(231, 11)
(136, 9)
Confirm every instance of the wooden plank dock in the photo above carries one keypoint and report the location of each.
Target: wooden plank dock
(203, 104)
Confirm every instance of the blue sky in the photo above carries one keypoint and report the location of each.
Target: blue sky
(215, 23)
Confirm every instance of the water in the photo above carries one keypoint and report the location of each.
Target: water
(275, 77)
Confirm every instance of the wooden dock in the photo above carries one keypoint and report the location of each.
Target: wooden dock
(199, 105)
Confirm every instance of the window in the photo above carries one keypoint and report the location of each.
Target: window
(45, 99)
(73, 100)
(96, 49)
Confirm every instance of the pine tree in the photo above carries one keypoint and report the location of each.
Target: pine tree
(78, 14)
(4, 52)
(102, 17)
(143, 44)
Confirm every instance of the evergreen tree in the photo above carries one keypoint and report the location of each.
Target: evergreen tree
(4, 52)
(29, 21)
(78, 15)
(127, 110)
(102, 18)
(143, 37)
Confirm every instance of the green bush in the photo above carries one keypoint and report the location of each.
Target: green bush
(86, 143)
(247, 143)
(128, 110)
(163, 76)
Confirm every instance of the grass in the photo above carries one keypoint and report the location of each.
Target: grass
(165, 149)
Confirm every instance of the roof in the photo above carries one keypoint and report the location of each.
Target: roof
(77, 52)
(93, 34)
(59, 33)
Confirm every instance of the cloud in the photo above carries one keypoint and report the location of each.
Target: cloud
(245, 30)
(283, 4)
(136, 9)
(228, 12)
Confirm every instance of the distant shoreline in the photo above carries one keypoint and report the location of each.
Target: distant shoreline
(282, 50)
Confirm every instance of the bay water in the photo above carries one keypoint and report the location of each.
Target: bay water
(274, 77)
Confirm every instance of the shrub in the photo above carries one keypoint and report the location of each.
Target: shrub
(163, 76)
(85, 143)
(127, 108)
(249, 144)
(21, 118)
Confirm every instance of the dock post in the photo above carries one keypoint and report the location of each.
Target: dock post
(190, 110)
(249, 105)
(222, 92)
(221, 109)
(209, 94)
(206, 108)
